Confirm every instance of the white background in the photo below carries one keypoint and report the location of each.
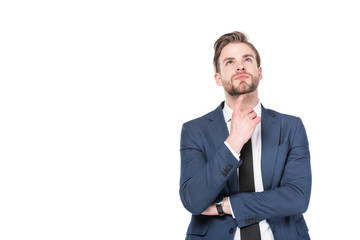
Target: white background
(93, 95)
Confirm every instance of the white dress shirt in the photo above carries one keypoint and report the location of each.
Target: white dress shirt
(265, 230)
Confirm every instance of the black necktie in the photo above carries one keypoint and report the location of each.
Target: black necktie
(246, 184)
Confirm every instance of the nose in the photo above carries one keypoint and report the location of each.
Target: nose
(240, 67)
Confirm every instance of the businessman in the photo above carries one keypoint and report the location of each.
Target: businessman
(245, 169)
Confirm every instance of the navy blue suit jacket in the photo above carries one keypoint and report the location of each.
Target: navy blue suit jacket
(209, 169)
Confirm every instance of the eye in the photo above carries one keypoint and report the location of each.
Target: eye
(229, 62)
(248, 59)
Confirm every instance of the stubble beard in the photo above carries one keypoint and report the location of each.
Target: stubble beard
(242, 88)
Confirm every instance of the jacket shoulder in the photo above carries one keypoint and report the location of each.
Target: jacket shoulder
(210, 116)
(284, 118)
(291, 126)
(199, 121)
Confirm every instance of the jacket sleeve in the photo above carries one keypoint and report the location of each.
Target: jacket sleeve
(202, 177)
(290, 196)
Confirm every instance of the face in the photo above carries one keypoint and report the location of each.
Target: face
(239, 73)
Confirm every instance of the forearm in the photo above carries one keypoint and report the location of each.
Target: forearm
(279, 202)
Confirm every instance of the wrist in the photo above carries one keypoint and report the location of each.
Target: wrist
(226, 206)
(218, 204)
(236, 146)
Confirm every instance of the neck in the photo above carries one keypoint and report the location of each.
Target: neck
(251, 100)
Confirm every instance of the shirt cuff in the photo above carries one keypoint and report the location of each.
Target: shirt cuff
(237, 156)
(232, 213)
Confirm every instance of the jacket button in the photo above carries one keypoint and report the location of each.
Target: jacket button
(231, 231)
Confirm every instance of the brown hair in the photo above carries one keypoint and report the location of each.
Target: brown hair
(230, 38)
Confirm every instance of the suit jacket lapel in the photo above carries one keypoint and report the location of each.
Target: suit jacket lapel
(217, 126)
(219, 132)
(270, 136)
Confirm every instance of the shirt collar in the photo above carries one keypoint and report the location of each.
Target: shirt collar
(228, 112)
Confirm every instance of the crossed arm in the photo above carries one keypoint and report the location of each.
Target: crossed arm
(202, 181)
(242, 127)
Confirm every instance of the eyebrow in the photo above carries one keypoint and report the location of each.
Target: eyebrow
(248, 55)
(228, 59)
(232, 58)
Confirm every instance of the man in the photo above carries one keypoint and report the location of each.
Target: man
(245, 169)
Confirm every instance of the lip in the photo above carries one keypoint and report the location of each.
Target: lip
(241, 77)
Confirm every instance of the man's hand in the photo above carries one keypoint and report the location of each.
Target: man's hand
(243, 124)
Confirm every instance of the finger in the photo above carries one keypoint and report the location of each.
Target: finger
(257, 120)
(252, 115)
(248, 110)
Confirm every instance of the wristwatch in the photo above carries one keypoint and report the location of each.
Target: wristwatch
(218, 204)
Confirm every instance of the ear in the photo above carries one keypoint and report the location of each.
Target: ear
(260, 73)
(217, 78)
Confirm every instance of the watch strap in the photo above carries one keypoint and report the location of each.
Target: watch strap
(220, 209)
(218, 204)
